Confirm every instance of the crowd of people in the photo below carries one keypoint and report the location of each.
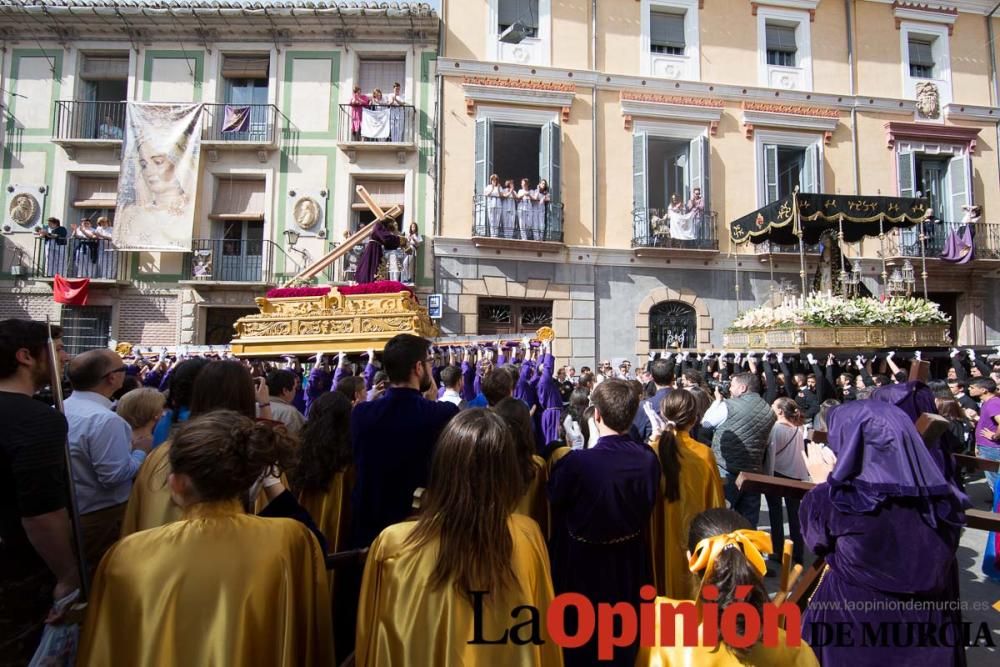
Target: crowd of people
(517, 212)
(83, 251)
(473, 483)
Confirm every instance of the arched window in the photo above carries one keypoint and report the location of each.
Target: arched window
(672, 324)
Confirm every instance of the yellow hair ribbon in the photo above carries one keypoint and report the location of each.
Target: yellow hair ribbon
(754, 544)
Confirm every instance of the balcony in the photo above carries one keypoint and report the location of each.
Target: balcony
(542, 231)
(905, 243)
(377, 128)
(651, 235)
(80, 124)
(230, 262)
(96, 259)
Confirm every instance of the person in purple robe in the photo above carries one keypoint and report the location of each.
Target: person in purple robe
(601, 500)
(382, 239)
(550, 403)
(888, 523)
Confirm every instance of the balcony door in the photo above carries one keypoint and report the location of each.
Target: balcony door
(103, 93)
(242, 257)
(668, 170)
(245, 80)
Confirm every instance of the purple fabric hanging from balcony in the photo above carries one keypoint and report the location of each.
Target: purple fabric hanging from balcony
(958, 247)
(237, 119)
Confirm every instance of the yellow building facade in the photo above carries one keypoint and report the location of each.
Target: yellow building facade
(622, 105)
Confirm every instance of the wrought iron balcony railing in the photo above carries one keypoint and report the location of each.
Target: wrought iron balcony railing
(230, 261)
(377, 125)
(651, 228)
(906, 242)
(96, 259)
(247, 124)
(543, 222)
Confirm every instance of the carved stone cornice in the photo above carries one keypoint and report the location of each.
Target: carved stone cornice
(531, 92)
(942, 134)
(914, 11)
(673, 107)
(789, 116)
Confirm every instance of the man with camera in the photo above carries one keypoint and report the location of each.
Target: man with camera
(742, 426)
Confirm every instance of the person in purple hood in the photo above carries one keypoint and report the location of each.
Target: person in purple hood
(887, 522)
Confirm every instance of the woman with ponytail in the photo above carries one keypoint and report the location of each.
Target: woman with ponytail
(726, 553)
(690, 485)
(459, 570)
(218, 586)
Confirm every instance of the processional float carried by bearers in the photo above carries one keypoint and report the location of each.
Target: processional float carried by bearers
(836, 310)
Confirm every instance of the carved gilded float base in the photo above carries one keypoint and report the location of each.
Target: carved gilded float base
(333, 322)
(837, 338)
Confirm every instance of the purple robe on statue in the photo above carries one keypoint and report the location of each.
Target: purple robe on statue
(888, 524)
(382, 239)
(601, 501)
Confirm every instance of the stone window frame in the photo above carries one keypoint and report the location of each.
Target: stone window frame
(703, 319)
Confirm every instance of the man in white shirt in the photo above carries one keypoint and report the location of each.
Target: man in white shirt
(281, 386)
(451, 378)
(103, 459)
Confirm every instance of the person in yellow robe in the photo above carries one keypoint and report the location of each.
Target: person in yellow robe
(690, 484)
(725, 552)
(417, 606)
(220, 385)
(533, 502)
(218, 586)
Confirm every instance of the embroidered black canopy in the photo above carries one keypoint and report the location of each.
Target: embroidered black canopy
(861, 217)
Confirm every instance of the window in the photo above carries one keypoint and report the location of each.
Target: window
(245, 85)
(941, 173)
(669, 170)
(921, 57)
(788, 166)
(237, 244)
(86, 328)
(96, 196)
(524, 12)
(672, 324)
(103, 91)
(780, 45)
(386, 193)
(666, 33)
(499, 318)
(381, 73)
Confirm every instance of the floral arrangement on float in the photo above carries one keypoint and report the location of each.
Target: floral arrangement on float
(832, 322)
(837, 311)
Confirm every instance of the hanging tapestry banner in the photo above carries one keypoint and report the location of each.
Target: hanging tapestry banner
(159, 177)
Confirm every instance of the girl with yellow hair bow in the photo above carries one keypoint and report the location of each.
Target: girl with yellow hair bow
(726, 554)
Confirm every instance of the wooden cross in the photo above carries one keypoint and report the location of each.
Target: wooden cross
(360, 236)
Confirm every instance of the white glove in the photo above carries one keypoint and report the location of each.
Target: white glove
(319, 358)
(781, 357)
(340, 358)
(371, 355)
(891, 354)
(917, 355)
(651, 356)
(972, 354)
(954, 352)
(525, 342)
(811, 359)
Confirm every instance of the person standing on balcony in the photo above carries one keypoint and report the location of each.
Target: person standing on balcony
(696, 206)
(85, 250)
(507, 213)
(358, 102)
(397, 121)
(542, 209)
(55, 246)
(494, 206)
(104, 232)
(525, 210)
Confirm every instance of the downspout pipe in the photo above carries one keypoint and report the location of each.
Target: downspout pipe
(593, 122)
(994, 91)
(849, 13)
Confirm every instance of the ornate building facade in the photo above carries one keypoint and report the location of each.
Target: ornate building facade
(275, 191)
(621, 106)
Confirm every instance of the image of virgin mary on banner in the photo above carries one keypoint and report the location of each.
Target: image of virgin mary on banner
(159, 177)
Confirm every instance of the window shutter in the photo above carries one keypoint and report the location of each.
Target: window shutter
(640, 197)
(381, 74)
(770, 173)
(697, 167)
(386, 193)
(550, 157)
(811, 170)
(958, 184)
(96, 193)
(921, 52)
(104, 68)
(780, 38)
(904, 173)
(511, 11)
(666, 29)
(484, 158)
(238, 200)
(245, 67)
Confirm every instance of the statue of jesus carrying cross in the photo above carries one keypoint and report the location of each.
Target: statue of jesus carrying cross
(382, 238)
